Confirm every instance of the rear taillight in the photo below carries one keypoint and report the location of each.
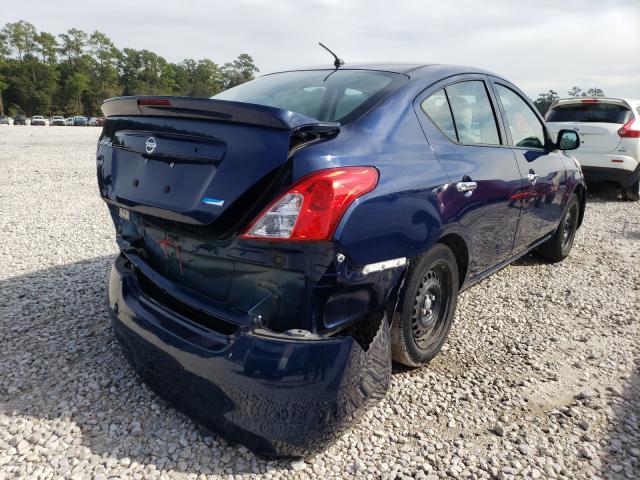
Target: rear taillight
(631, 129)
(590, 100)
(313, 206)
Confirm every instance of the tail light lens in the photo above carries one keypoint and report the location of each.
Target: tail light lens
(313, 206)
(631, 129)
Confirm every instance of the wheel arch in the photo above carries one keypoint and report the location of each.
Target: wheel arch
(457, 244)
(581, 191)
(460, 251)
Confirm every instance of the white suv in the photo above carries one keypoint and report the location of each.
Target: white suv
(610, 132)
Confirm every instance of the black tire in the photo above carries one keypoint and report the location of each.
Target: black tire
(559, 245)
(426, 307)
(632, 193)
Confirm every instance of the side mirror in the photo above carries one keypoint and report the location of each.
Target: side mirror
(568, 140)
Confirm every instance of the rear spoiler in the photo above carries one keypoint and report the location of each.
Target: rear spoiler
(579, 100)
(210, 109)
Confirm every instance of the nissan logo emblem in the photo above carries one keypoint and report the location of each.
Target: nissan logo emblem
(150, 145)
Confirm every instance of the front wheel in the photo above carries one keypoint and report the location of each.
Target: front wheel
(632, 192)
(426, 307)
(559, 245)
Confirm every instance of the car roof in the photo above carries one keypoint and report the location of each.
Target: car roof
(413, 70)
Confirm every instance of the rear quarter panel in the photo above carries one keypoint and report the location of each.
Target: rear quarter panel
(402, 216)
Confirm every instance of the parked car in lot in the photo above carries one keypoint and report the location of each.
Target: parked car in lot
(5, 120)
(283, 241)
(20, 120)
(39, 120)
(610, 138)
(79, 121)
(58, 120)
(92, 121)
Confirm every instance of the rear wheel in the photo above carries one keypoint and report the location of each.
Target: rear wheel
(427, 305)
(633, 192)
(559, 245)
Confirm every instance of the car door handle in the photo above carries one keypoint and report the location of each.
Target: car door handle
(532, 177)
(466, 186)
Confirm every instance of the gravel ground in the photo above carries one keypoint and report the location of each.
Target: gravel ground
(540, 377)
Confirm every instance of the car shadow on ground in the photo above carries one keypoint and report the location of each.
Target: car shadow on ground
(596, 193)
(601, 192)
(62, 365)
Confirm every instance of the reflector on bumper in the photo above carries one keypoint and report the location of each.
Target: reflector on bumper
(377, 267)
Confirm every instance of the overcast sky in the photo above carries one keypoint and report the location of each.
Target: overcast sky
(537, 44)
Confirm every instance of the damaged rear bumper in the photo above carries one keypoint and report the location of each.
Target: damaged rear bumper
(279, 395)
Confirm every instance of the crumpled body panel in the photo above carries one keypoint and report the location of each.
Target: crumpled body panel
(279, 396)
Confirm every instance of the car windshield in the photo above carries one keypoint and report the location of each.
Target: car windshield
(589, 112)
(326, 95)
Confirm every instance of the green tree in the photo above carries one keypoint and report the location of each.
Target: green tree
(144, 73)
(22, 38)
(48, 47)
(73, 44)
(75, 86)
(575, 92)
(592, 92)
(73, 72)
(106, 56)
(239, 71)
(544, 101)
(103, 71)
(4, 54)
(595, 92)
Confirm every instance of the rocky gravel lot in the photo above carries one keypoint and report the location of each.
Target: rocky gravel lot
(540, 377)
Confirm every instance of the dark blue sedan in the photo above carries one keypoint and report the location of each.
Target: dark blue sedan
(283, 241)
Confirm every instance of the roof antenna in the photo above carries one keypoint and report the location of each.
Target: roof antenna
(338, 62)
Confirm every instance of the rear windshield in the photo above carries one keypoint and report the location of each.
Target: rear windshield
(326, 95)
(589, 112)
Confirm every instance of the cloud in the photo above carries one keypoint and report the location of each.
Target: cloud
(539, 45)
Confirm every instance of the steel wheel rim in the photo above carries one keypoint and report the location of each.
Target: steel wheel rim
(431, 306)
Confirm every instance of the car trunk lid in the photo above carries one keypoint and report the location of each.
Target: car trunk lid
(595, 137)
(596, 120)
(190, 160)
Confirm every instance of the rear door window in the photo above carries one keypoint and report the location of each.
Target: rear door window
(437, 109)
(589, 112)
(463, 112)
(472, 113)
(526, 129)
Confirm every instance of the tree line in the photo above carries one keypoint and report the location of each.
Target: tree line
(544, 100)
(73, 72)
